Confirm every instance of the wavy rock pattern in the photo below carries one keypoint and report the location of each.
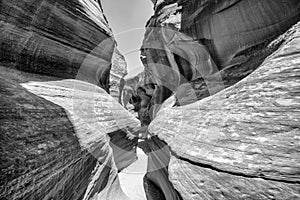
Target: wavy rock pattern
(195, 49)
(188, 40)
(95, 144)
(57, 38)
(65, 139)
(243, 142)
(40, 154)
(255, 22)
(95, 115)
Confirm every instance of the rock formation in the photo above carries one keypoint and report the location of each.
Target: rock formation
(117, 73)
(40, 154)
(47, 152)
(243, 142)
(61, 138)
(194, 39)
(130, 98)
(220, 92)
(98, 121)
(60, 39)
(195, 49)
(130, 87)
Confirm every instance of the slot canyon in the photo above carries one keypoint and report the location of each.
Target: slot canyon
(213, 115)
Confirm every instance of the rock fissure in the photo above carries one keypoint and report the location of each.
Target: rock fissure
(207, 166)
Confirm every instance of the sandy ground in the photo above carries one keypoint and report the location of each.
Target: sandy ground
(131, 179)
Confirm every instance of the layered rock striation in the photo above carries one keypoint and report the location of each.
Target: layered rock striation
(117, 73)
(40, 154)
(60, 144)
(62, 135)
(223, 115)
(241, 143)
(102, 126)
(186, 41)
(59, 39)
(195, 49)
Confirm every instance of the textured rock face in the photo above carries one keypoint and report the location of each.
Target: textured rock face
(195, 49)
(99, 121)
(61, 138)
(195, 39)
(90, 105)
(64, 141)
(130, 98)
(40, 154)
(68, 139)
(57, 38)
(255, 21)
(243, 142)
(117, 73)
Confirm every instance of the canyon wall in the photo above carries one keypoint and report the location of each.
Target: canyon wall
(192, 40)
(243, 142)
(224, 143)
(224, 109)
(117, 73)
(62, 136)
(59, 39)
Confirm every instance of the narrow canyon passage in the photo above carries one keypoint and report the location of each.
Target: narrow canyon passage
(131, 178)
(127, 20)
(149, 100)
(191, 71)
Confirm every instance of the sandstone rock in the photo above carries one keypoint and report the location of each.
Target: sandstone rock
(188, 40)
(63, 152)
(153, 192)
(57, 38)
(64, 139)
(91, 106)
(117, 73)
(198, 182)
(196, 49)
(40, 154)
(243, 142)
(131, 84)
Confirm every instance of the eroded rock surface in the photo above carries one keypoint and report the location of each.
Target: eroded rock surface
(102, 126)
(64, 141)
(57, 38)
(243, 142)
(186, 41)
(40, 153)
(195, 49)
(117, 73)
(61, 138)
(68, 139)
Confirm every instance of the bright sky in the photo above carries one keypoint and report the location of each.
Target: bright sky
(128, 18)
